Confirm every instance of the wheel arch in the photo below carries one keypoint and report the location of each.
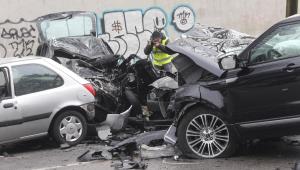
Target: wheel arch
(206, 105)
(193, 105)
(67, 108)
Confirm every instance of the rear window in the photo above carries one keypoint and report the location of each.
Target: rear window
(31, 78)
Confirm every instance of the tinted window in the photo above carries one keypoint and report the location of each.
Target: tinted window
(283, 42)
(2, 78)
(4, 85)
(32, 78)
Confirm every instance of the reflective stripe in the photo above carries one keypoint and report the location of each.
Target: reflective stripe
(163, 59)
(161, 63)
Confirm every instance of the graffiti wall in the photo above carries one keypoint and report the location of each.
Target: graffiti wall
(18, 39)
(126, 31)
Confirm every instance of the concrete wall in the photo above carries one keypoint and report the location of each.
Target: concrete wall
(137, 18)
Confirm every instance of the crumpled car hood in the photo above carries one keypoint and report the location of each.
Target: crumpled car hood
(199, 54)
(88, 47)
(86, 54)
(203, 44)
(165, 83)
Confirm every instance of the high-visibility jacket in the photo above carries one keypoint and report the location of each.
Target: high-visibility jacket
(160, 58)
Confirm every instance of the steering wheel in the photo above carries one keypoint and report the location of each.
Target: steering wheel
(273, 54)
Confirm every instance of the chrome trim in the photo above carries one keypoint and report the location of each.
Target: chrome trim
(270, 122)
(34, 136)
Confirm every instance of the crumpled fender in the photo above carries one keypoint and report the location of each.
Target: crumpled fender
(191, 95)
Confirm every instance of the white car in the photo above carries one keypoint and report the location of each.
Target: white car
(39, 96)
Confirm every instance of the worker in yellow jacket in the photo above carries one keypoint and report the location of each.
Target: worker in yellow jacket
(161, 54)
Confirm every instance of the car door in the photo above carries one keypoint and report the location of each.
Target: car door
(10, 117)
(268, 88)
(36, 91)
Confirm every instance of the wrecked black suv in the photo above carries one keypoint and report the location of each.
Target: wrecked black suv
(227, 97)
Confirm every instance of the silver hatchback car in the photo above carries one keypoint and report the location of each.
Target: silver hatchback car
(39, 96)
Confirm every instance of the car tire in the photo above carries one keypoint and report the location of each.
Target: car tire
(197, 140)
(69, 127)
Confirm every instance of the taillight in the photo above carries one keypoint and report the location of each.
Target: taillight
(90, 88)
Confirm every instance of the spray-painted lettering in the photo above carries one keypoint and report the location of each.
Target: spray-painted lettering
(127, 32)
(18, 39)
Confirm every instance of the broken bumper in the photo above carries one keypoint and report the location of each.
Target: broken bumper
(117, 121)
(170, 136)
(89, 109)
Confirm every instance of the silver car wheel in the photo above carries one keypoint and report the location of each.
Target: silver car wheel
(70, 128)
(207, 135)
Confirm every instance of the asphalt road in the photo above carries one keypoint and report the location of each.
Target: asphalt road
(43, 155)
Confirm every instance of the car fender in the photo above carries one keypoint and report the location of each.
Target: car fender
(70, 104)
(194, 96)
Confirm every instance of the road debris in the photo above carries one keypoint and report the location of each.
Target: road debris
(4, 154)
(65, 146)
(128, 164)
(297, 166)
(104, 132)
(132, 151)
(91, 156)
(148, 152)
(292, 140)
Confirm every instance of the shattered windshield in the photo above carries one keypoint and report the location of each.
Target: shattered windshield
(67, 26)
(283, 42)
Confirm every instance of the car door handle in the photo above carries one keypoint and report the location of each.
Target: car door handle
(8, 105)
(290, 67)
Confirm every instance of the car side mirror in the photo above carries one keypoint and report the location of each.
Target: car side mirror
(228, 61)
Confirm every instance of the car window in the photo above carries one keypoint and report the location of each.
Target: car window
(2, 78)
(283, 42)
(80, 25)
(4, 90)
(32, 78)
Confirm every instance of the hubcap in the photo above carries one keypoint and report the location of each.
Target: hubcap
(70, 128)
(207, 135)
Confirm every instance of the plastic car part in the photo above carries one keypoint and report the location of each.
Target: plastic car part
(170, 136)
(162, 151)
(103, 132)
(128, 145)
(117, 121)
(143, 138)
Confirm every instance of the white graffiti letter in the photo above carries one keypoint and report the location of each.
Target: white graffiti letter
(134, 21)
(154, 19)
(115, 24)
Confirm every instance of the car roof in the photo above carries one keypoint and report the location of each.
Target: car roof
(17, 59)
(292, 18)
(61, 14)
